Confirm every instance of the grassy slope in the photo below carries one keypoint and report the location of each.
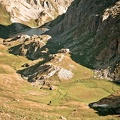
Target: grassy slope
(21, 101)
(4, 16)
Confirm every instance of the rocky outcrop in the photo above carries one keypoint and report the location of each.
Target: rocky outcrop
(107, 105)
(50, 67)
(112, 74)
(65, 74)
(42, 11)
(32, 47)
(90, 29)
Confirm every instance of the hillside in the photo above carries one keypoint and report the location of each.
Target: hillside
(34, 12)
(63, 70)
(91, 33)
(57, 98)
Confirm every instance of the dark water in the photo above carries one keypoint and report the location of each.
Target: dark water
(30, 32)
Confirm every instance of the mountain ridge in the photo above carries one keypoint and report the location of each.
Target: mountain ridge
(25, 11)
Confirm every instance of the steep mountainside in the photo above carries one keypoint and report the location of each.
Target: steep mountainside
(91, 30)
(41, 11)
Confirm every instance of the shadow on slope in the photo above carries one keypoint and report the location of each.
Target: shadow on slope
(108, 105)
(54, 22)
(14, 28)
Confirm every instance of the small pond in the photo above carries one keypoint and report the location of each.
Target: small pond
(30, 32)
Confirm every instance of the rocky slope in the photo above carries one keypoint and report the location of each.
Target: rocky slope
(41, 11)
(90, 29)
(49, 67)
(96, 45)
(17, 15)
(32, 47)
(54, 68)
(108, 105)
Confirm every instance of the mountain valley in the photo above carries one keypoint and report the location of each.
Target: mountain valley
(60, 59)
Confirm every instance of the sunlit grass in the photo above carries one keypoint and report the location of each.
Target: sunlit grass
(20, 100)
(4, 16)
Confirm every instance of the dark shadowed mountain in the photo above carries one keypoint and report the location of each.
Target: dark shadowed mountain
(90, 29)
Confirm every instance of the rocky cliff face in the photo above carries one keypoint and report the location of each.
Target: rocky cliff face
(41, 10)
(90, 29)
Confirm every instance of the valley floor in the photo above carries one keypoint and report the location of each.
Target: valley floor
(20, 100)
